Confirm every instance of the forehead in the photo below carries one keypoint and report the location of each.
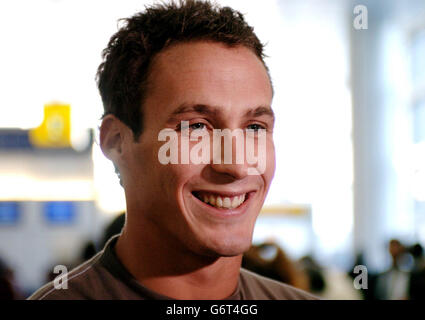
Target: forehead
(207, 73)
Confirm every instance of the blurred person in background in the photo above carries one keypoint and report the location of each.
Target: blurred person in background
(187, 225)
(369, 292)
(269, 260)
(7, 291)
(88, 251)
(8, 288)
(329, 283)
(315, 275)
(393, 283)
(113, 228)
(417, 275)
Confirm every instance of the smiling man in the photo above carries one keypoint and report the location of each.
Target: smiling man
(190, 68)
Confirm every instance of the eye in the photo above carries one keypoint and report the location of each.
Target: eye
(197, 126)
(255, 127)
(191, 127)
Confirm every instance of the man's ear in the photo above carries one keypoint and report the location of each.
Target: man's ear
(111, 137)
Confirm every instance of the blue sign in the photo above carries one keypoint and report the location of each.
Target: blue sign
(60, 212)
(19, 139)
(14, 139)
(9, 212)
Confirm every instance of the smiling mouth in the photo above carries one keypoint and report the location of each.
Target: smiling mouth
(221, 201)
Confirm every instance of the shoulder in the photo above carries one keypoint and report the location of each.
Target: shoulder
(79, 283)
(256, 287)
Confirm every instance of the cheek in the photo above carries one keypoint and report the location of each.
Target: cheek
(271, 161)
(176, 177)
(144, 170)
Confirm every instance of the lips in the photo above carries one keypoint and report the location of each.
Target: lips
(223, 201)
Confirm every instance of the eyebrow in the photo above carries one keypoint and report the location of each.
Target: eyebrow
(260, 111)
(198, 108)
(213, 111)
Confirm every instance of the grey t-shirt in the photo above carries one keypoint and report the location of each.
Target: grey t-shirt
(104, 277)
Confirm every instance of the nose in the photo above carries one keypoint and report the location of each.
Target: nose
(236, 171)
(228, 158)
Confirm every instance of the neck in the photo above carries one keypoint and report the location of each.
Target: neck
(170, 269)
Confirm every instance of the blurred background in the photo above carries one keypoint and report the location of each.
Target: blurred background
(350, 139)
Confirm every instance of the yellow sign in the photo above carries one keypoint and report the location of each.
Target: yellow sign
(55, 130)
(295, 210)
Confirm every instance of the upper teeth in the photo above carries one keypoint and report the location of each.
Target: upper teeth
(223, 202)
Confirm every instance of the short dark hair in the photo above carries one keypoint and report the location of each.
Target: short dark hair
(122, 77)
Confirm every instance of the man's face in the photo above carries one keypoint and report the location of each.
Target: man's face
(212, 87)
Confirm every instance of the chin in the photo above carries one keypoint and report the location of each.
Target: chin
(229, 247)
